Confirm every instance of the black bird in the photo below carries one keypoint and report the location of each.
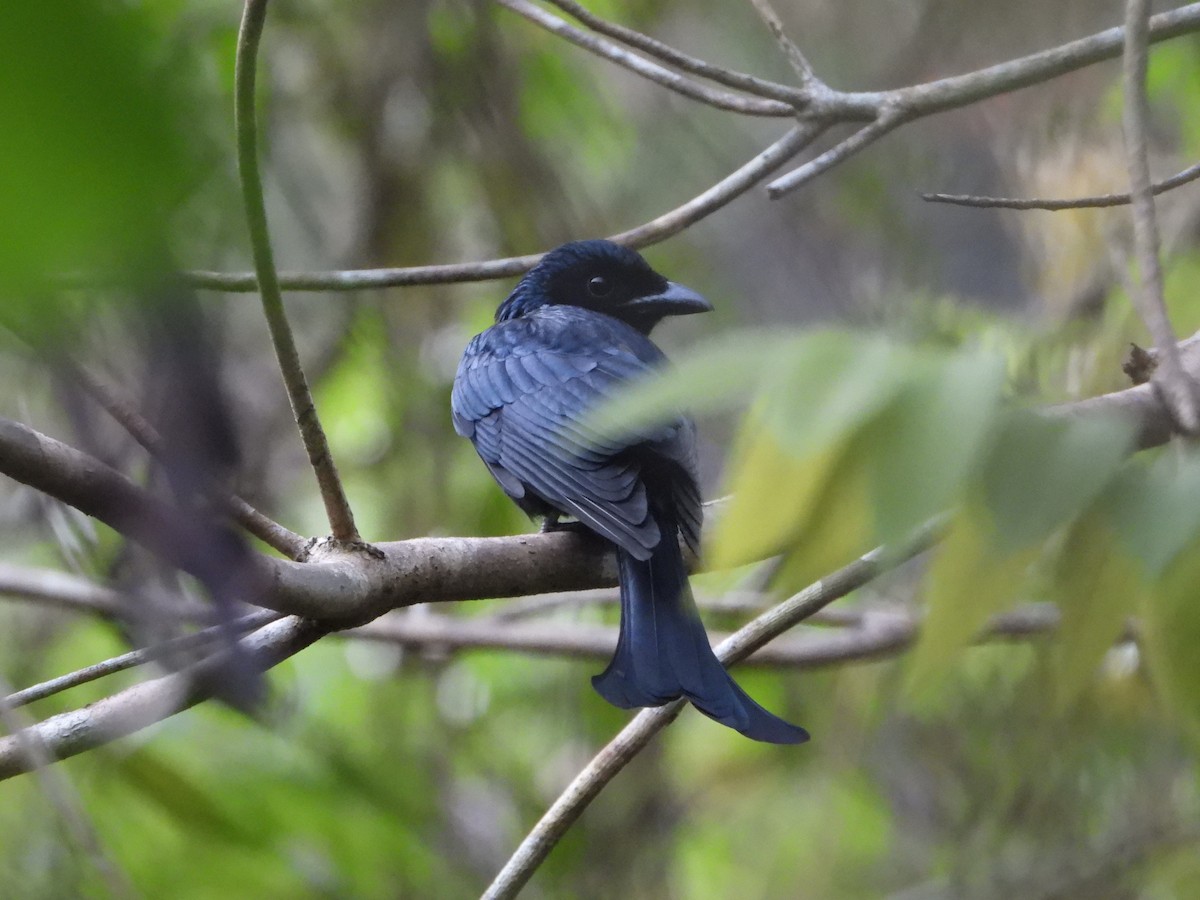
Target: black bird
(572, 332)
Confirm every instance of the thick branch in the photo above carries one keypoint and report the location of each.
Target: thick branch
(337, 508)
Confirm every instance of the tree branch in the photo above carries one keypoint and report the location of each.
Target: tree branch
(587, 785)
(1169, 376)
(791, 52)
(875, 632)
(655, 231)
(751, 84)
(749, 106)
(71, 733)
(199, 640)
(1102, 201)
(337, 508)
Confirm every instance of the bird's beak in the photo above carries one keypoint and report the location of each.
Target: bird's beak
(676, 300)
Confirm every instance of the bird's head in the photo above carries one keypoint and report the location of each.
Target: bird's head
(604, 277)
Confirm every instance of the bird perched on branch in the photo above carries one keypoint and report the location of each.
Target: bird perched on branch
(572, 332)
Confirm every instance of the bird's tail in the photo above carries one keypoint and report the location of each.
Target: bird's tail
(663, 652)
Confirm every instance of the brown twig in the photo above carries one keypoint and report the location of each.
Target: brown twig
(1169, 376)
(892, 118)
(791, 52)
(655, 231)
(337, 508)
(751, 84)
(1102, 201)
(750, 106)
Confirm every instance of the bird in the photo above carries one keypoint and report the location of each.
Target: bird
(571, 334)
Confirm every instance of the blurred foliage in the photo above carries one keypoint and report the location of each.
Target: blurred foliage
(409, 133)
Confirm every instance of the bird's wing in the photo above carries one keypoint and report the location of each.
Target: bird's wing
(524, 404)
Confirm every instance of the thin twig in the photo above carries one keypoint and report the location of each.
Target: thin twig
(653, 232)
(864, 137)
(1102, 201)
(198, 640)
(587, 785)
(134, 708)
(738, 80)
(260, 526)
(1169, 376)
(791, 52)
(750, 106)
(337, 508)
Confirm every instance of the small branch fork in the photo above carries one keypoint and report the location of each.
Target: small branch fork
(816, 106)
(337, 508)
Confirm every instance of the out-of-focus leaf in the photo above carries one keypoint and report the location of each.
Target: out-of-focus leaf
(711, 378)
(1171, 620)
(925, 443)
(774, 495)
(1097, 585)
(971, 579)
(90, 161)
(1042, 471)
(1155, 508)
(836, 527)
(166, 786)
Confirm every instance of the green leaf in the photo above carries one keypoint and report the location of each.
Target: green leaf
(1171, 625)
(1042, 471)
(970, 580)
(928, 439)
(774, 495)
(1097, 582)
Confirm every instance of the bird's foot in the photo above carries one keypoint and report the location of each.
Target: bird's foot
(554, 523)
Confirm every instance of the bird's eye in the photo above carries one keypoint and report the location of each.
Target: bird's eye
(599, 286)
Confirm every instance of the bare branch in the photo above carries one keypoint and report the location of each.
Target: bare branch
(1102, 201)
(864, 137)
(791, 52)
(137, 707)
(963, 90)
(873, 632)
(1169, 376)
(797, 98)
(652, 232)
(202, 639)
(750, 106)
(587, 785)
(337, 508)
